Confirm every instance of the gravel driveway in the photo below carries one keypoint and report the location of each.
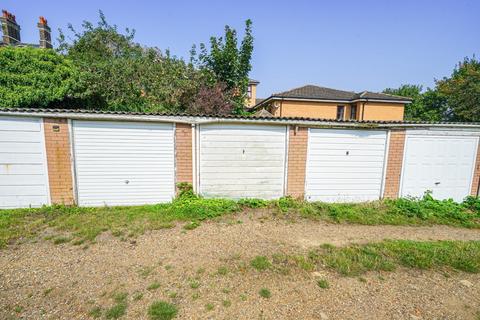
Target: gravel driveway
(40, 280)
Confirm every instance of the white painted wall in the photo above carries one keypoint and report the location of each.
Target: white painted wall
(242, 161)
(345, 165)
(23, 168)
(441, 162)
(123, 163)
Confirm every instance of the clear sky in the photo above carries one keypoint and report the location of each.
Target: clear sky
(350, 45)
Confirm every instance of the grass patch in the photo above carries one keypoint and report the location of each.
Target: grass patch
(153, 286)
(323, 283)
(265, 293)
(60, 240)
(95, 312)
(117, 311)
(138, 296)
(85, 223)
(209, 307)
(403, 211)
(222, 271)
(161, 310)
(191, 225)
(46, 292)
(194, 284)
(260, 263)
(226, 303)
(387, 255)
(145, 271)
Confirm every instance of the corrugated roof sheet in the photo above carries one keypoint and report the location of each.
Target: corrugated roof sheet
(240, 117)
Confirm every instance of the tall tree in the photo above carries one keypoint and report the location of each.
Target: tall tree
(228, 63)
(425, 106)
(35, 78)
(462, 90)
(119, 74)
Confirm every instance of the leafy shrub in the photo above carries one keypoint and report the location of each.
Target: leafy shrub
(472, 203)
(185, 190)
(253, 203)
(285, 204)
(428, 207)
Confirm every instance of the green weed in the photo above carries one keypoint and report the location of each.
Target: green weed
(161, 310)
(260, 263)
(265, 293)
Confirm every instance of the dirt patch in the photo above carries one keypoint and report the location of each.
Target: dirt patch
(203, 272)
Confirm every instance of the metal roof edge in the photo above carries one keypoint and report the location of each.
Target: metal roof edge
(204, 119)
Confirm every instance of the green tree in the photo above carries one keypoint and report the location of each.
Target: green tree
(425, 106)
(35, 78)
(228, 63)
(462, 90)
(119, 74)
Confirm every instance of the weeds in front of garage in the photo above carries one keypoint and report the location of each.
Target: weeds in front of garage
(80, 225)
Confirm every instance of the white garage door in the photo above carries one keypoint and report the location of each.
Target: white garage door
(123, 163)
(23, 169)
(242, 161)
(345, 165)
(441, 164)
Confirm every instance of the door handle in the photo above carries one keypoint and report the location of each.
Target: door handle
(437, 183)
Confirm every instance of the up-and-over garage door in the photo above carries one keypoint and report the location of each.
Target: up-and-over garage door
(123, 163)
(442, 164)
(345, 165)
(242, 161)
(23, 167)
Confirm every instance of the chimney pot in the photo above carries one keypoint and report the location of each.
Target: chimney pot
(45, 33)
(10, 28)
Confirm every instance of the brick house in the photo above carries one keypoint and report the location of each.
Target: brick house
(325, 103)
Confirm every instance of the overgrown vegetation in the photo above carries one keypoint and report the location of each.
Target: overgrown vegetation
(387, 255)
(403, 211)
(97, 66)
(84, 224)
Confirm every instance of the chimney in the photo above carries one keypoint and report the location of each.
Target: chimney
(45, 33)
(10, 28)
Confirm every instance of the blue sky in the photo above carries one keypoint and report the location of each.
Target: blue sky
(350, 45)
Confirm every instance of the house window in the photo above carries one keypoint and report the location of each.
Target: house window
(353, 113)
(340, 112)
(249, 91)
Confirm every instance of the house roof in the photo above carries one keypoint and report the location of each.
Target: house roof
(312, 92)
(252, 81)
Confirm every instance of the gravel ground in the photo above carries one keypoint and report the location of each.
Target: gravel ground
(40, 280)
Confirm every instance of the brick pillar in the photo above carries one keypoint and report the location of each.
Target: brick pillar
(183, 153)
(394, 164)
(297, 161)
(57, 143)
(476, 174)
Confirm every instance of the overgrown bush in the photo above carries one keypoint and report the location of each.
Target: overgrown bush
(428, 207)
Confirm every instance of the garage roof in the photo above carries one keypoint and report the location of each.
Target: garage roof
(205, 118)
